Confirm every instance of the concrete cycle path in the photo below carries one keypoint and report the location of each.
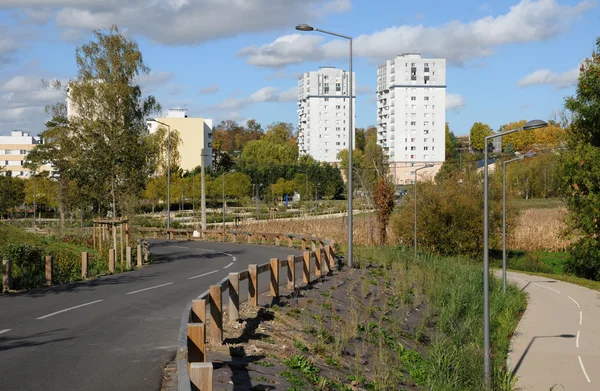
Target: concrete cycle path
(557, 341)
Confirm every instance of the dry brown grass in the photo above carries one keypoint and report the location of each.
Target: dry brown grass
(540, 230)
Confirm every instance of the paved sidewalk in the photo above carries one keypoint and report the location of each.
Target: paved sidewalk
(558, 338)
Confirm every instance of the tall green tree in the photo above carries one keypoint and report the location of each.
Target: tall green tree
(478, 133)
(580, 169)
(109, 119)
(451, 143)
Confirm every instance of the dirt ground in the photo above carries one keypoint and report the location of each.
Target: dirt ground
(344, 331)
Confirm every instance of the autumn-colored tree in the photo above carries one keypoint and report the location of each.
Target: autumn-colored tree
(478, 133)
(383, 196)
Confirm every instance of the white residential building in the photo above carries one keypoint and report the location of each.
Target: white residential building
(323, 113)
(411, 115)
(14, 150)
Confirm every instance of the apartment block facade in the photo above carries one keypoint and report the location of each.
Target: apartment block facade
(195, 134)
(411, 115)
(14, 150)
(323, 113)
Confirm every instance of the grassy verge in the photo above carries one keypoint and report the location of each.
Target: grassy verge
(454, 289)
(27, 251)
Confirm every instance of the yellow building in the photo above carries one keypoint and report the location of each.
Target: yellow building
(14, 150)
(195, 134)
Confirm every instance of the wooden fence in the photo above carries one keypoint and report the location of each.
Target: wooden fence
(195, 371)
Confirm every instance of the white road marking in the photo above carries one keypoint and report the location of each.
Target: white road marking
(583, 369)
(580, 318)
(69, 309)
(4, 331)
(234, 259)
(186, 248)
(577, 340)
(147, 289)
(574, 301)
(202, 275)
(228, 265)
(515, 278)
(552, 289)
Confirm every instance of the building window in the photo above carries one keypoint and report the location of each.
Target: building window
(337, 107)
(210, 145)
(210, 135)
(326, 99)
(413, 123)
(337, 143)
(413, 98)
(426, 98)
(425, 148)
(338, 87)
(413, 148)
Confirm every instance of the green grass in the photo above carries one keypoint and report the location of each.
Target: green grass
(531, 261)
(454, 291)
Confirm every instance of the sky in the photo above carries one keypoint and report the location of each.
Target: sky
(507, 60)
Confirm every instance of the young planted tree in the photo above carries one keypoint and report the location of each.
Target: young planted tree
(383, 196)
(478, 133)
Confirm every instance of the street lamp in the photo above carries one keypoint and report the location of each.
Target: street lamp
(418, 169)
(526, 156)
(535, 124)
(168, 170)
(306, 27)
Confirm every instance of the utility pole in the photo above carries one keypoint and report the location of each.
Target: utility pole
(203, 202)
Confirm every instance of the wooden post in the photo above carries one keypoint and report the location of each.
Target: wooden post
(155, 234)
(84, 265)
(199, 311)
(234, 297)
(201, 375)
(252, 285)
(100, 234)
(291, 283)
(196, 342)
(306, 267)
(290, 241)
(234, 238)
(318, 265)
(323, 260)
(274, 272)
(48, 270)
(146, 251)
(216, 315)
(220, 234)
(187, 235)
(171, 235)
(312, 245)
(6, 275)
(94, 234)
(277, 240)
(121, 241)
(303, 244)
(139, 255)
(128, 258)
(111, 260)
(127, 235)
(263, 239)
(249, 238)
(330, 257)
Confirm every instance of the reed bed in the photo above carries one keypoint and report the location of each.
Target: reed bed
(540, 229)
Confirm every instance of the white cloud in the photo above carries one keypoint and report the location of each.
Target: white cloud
(23, 99)
(176, 22)
(282, 74)
(546, 77)
(154, 80)
(211, 89)
(265, 94)
(458, 42)
(455, 102)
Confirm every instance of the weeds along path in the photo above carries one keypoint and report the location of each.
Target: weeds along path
(558, 339)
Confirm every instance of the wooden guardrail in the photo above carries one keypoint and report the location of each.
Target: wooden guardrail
(195, 371)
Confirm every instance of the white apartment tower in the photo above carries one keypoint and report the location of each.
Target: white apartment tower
(323, 113)
(411, 114)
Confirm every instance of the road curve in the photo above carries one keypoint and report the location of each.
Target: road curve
(558, 339)
(115, 332)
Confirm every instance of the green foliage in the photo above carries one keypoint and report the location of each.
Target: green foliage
(580, 170)
(478, 133)
(450, 215)
(12, 193)
(451, 143)
(535, 177)
(383, 195)
(263, 153)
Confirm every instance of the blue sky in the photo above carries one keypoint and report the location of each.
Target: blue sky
(240, 59)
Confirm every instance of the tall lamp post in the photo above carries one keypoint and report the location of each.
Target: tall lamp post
(418, 169)
(168, 170)
(526, 156)
(534, 124)
(306, 27)
(34, 200)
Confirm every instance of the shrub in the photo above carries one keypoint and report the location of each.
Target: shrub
(584, 260)
(450, 215)
(28, 265)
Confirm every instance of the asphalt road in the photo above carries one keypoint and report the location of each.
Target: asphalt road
(558, 339)
(116, 332)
